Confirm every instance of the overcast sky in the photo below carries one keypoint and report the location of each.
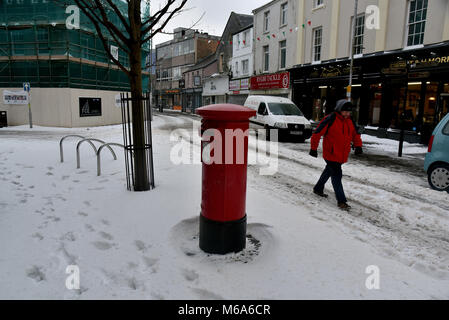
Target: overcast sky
(216, 14)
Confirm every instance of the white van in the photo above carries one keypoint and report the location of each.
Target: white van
(279, 113)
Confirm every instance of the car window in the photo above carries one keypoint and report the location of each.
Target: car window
(285, 109)
(446, 129)
(262, 109)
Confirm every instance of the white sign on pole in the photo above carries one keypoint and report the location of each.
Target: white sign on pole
(114, 52)
(15, 97)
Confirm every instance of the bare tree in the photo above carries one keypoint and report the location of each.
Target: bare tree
(133, 31)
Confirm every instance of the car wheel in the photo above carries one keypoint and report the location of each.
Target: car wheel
(439, 177)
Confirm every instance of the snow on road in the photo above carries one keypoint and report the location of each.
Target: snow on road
(145, 245)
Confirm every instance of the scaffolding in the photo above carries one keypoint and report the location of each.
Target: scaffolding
(37, 47)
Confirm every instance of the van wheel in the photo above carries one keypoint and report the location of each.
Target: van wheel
(438, 177)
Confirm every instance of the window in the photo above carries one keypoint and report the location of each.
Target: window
(317, 3)
(416, 22)
(245, 38)
(245, 65)
(221, 63)
(262, 109)
(266, 17)
(446, 129)
(284, 8)
(236, 68)
(317, 40)
(282, 54)
(237, 43)
(177, 73)
(266, 58)
(359, 34)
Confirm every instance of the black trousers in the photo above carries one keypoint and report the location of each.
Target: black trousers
(333, 171)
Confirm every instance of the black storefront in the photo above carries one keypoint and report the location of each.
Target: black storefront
(392, 90)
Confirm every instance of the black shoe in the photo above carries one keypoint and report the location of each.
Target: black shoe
(344, 206)
(321, 194)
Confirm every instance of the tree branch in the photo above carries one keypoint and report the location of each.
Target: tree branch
(96, 24)
(150, 27)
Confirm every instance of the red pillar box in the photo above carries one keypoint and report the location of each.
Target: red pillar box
(224, 147)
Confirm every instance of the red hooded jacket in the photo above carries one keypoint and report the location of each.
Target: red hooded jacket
(337, 140)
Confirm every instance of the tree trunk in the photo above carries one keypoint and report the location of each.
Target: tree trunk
(141, 180)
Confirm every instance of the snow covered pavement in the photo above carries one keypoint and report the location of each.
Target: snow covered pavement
(145, 245)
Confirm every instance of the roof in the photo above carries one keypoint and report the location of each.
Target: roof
(243, 29)
(245, 20)
(266, 5)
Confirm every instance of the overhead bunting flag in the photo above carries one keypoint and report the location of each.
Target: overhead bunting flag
(274, 36)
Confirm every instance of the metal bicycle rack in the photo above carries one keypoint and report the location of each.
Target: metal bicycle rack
(99, 151)
(61, 151)
(95, 149)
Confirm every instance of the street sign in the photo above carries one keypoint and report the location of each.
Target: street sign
(26, 87)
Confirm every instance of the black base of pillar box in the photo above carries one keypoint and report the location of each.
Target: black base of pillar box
(222, 237)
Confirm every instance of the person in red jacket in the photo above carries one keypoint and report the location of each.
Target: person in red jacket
(339, 132)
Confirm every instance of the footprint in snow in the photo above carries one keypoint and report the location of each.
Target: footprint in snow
(36, 273)
(190, 275)
(106, 236)
(102, 245)
(89, 228)
(141, 246)
(38, 236)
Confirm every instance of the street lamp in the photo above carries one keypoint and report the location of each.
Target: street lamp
(351, 72)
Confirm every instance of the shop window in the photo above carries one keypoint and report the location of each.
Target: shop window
(408, 110)
(430, 103)
(375, 104)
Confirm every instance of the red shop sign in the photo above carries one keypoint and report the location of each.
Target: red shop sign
(271, 81)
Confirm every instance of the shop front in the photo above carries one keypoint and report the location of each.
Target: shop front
(192, 99)
(277, 84)
(391, 91)
(168, 99)
(238, 91)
